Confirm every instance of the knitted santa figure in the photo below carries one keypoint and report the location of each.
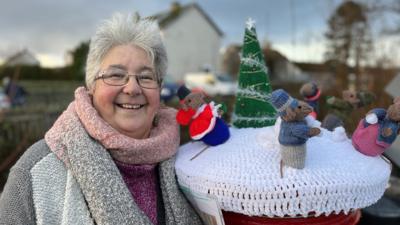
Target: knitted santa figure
(203, 118)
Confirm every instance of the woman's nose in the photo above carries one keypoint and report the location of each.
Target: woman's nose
(132, 87)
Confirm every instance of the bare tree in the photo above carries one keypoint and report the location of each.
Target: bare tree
(386, 14)
(349, 39)
(387, 10)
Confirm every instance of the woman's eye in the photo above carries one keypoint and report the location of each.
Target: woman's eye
(115, 75)
(145, 77)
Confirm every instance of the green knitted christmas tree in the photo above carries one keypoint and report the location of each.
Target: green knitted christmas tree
(252, 107)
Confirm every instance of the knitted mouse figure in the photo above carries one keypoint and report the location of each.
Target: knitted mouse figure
(378, 130)
(294, 131)
(340, 109)
(204, 118)
(311, 94)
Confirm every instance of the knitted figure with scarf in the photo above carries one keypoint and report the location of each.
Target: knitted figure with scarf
(294, 131)
(204, 118)
(311, 94)
(378, 130)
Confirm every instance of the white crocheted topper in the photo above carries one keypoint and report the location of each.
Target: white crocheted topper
(243, 174)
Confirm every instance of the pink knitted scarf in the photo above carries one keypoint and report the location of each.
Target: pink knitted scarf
(161, 145)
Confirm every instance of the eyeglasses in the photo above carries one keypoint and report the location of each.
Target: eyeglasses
(115, 77)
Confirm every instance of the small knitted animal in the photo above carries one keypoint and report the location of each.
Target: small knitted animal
(204, 119)
(340, 109)
(311, 94)
(294, 131)
(378, 130)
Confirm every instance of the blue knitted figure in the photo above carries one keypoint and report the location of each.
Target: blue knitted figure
(294, 131)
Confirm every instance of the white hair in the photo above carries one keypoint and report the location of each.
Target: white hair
(126, 30)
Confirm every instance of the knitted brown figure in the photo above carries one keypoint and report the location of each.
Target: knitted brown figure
(294, 131)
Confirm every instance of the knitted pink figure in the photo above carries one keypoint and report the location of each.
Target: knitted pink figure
(378, 130)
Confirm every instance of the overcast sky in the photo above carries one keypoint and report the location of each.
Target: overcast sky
(49, 28)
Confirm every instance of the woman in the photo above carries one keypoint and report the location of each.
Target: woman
(108, 159)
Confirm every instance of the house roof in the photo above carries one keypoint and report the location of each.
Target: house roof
(313, 67)
(24, 57)
(273, 55)
(169, 16)
(393, 88)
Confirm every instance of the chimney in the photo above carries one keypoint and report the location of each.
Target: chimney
(175, 8)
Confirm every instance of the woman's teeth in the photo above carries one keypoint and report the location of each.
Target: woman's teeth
(129, 106)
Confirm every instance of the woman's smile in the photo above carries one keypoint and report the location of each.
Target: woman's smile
(130, 106)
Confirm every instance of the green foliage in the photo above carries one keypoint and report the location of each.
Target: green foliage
(36, 73)
(252, 107)
(79, 55)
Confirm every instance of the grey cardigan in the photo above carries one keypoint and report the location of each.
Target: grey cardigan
(41, 190)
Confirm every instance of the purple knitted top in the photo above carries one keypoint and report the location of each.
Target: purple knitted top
(143, 185)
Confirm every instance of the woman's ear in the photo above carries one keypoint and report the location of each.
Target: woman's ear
(91, 90)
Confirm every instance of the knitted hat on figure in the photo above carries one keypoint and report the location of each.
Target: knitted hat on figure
(182, 92)
(280, 99)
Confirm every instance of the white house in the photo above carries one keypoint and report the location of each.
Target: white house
(393, 87)
(24, 58)
(281, 70)
(394, 151)
(191, 38)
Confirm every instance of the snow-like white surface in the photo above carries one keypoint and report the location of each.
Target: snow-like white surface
(244, 175)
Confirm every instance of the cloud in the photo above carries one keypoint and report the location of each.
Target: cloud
(52, 27)
(302, 52)
(50, 60)
(48, 27)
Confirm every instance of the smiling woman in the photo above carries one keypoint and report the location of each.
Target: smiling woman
(128, 103)
(108, 159)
